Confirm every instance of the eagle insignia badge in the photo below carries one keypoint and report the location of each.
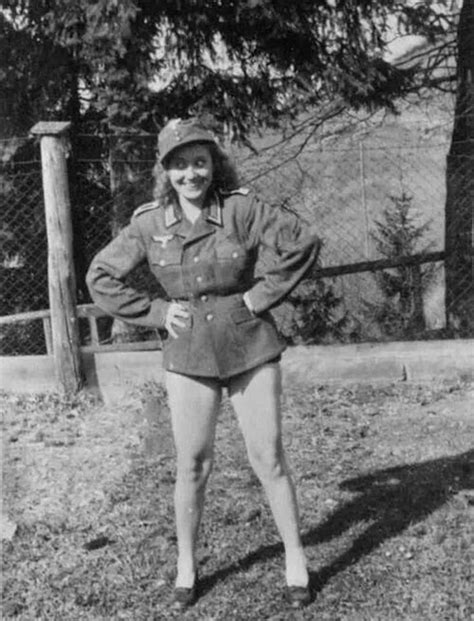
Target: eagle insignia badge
(163, 239)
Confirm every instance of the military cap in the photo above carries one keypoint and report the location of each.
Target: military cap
(180, 132)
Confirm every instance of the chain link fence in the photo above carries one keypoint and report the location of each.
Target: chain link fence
(349, 193)
(23, 246)
(369, 200)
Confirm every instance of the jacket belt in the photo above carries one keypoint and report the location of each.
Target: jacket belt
(219, 302)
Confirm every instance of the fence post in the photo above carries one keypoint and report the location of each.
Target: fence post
(61, 276)
(364, 199)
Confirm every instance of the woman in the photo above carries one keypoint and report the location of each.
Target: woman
(202, 237)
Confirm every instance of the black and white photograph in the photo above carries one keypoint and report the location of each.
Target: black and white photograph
(237, 310)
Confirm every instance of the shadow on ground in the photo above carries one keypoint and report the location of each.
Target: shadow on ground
(391, 500)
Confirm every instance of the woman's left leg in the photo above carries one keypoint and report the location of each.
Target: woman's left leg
(256, 397)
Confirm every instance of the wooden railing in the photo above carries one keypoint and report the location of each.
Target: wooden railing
(90, 313)
(44, 315)
(381, 264)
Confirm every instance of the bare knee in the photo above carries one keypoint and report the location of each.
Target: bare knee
(268, 464)
(195, 469)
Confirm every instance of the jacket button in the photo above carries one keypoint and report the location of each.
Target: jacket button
(235, 255)
(196, 259)
(203, 298)
(162, 262)
(209, 317)
(199, 278)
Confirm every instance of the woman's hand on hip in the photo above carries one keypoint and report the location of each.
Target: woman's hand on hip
(176, 316)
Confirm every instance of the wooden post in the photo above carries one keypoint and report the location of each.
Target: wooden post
(364, 199)
(61, 277)
(48, 338)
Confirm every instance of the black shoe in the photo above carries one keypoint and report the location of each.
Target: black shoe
(184, 597)
(297, 596)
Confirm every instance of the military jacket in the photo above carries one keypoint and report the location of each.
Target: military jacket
(208, 266)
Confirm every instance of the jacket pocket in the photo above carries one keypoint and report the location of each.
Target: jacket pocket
(228, 251)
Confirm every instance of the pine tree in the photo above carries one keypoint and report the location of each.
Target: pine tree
(318, 314)
(400, 234)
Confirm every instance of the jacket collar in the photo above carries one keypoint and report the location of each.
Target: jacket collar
(172, 215)
(212, 212)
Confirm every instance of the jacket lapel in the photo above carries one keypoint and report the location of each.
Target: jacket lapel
(207, 223)
(201, 228)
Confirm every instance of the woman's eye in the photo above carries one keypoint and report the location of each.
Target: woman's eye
(180, 164)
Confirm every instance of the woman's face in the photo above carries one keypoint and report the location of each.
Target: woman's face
(190, 171)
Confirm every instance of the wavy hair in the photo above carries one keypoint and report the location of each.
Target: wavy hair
(224, 177)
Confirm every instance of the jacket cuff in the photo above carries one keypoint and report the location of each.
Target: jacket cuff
(255, 302)
(156, 316)
(248, 302)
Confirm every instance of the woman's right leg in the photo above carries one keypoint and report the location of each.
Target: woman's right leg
(194, 405)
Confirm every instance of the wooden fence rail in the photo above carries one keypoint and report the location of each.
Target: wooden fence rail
(381, 264)
(89, 312)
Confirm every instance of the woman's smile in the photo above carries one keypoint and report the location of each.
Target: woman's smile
(190, 172)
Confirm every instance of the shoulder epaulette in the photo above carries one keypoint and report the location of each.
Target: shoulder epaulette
(243, 191)
(145, 207)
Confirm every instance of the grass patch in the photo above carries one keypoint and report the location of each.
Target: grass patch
(385, 482)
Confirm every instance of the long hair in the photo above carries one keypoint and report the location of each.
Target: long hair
(224, 178)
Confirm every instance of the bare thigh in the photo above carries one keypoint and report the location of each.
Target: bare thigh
(194, 404)
(256, 396)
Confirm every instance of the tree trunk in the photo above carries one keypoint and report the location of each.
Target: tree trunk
(460, 187)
